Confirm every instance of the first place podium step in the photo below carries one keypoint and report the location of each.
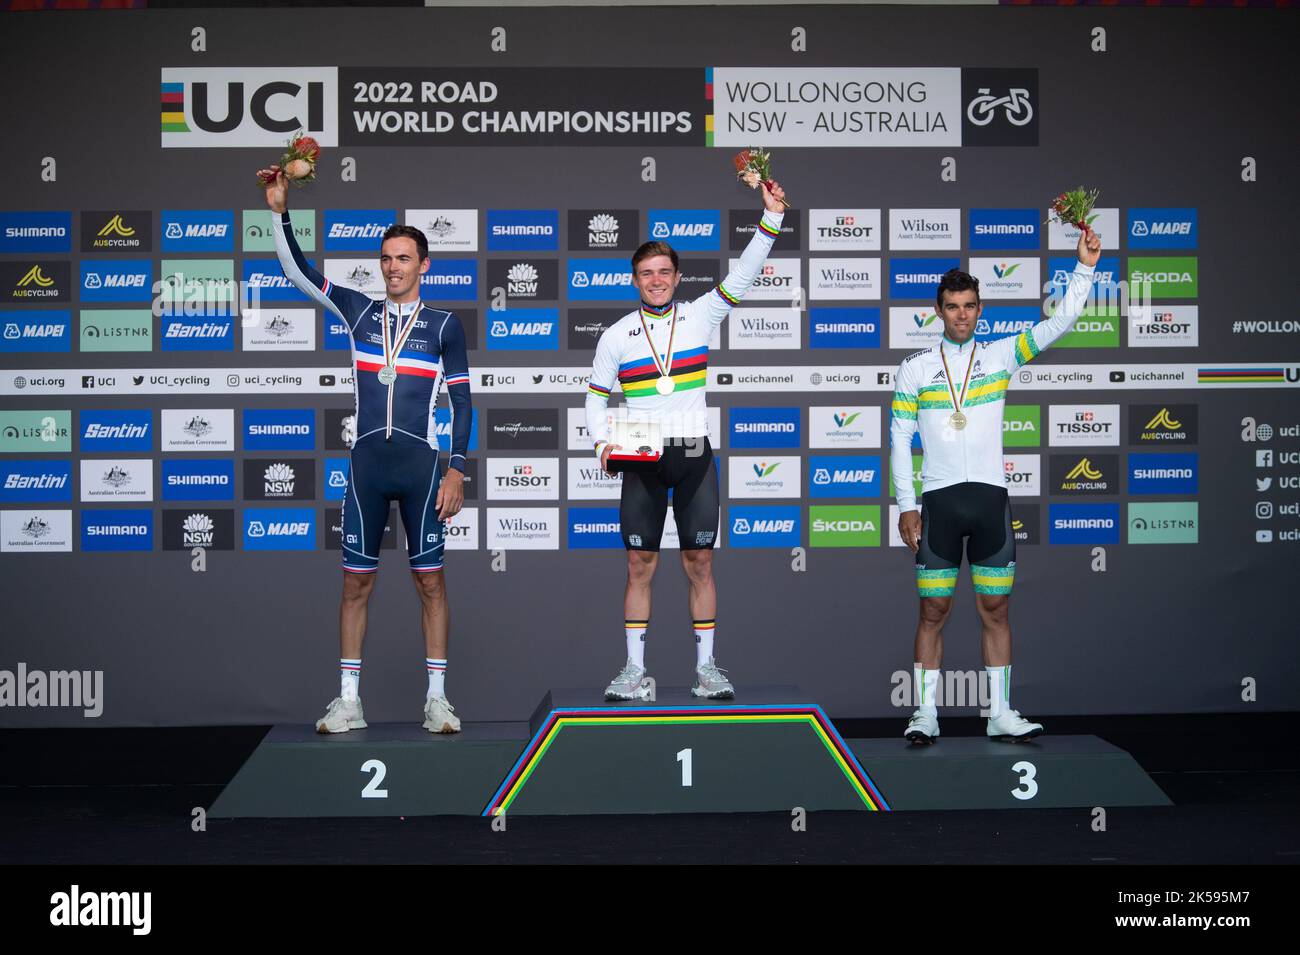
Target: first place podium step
(770, 751)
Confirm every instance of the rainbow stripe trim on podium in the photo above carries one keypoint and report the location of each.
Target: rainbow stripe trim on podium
(558, 719)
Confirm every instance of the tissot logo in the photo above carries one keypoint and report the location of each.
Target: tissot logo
(1022, 474)
(848, 230)
(686, 229)
(1084, 425)
(523, 478)
(28, 282)
(248, 106)
(604, 229)
(1000, 107)
(35, 232)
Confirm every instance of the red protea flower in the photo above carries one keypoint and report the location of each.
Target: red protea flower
(306, 147)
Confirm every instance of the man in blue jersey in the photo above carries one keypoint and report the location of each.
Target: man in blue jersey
(953, 393)
(658, 355)
(403, 353)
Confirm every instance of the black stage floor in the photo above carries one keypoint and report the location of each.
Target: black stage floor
(117, 796)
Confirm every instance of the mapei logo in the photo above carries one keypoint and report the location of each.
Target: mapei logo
(1162, 229)
(600, 280)
(248, 106)
(765, 526)
(519, 230)
(844, 476)
(356, 230)
(687, 229)
(532, 329)
(289, 528)
(103, 281)
(36, 331)
(35, 232)
(195, 230)
(1001, 321)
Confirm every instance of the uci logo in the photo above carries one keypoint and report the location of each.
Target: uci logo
(248, 106)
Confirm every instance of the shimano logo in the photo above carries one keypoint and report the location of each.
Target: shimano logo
(607, 527)
(523, 230)
(198, 480)
(1084, 523)
(842, 328)
(277, 430)
(1158, 474)
(765, 427)
(117, 530)
(1003, 229)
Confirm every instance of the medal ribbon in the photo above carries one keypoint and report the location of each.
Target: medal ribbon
(403, 333)
(666, 364)
(957, 403)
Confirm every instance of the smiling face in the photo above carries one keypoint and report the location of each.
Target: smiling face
(960, 312)
(656, 279)
(401, 265)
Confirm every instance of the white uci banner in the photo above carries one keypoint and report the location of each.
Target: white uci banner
(837, 106)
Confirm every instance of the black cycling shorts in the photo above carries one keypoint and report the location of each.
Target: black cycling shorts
(686, 469)
(973, 517)
(403, 470)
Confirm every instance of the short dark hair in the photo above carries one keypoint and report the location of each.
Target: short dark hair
(648, 250)
(408, 232)
(955, 280)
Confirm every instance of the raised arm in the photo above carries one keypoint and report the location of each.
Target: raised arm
(343, 302)
(718, 302)
(1026, 346)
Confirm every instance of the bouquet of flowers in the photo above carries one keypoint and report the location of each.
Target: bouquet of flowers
(298, 163)
(1073, 208)
(754, 167)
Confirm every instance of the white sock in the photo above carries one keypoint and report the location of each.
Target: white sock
(703, 641)
(635, 632)
(350, 674)
(437, 670)
(926, 686)
(999, 690)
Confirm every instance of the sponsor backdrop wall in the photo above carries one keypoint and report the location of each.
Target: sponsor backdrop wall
(163, 389)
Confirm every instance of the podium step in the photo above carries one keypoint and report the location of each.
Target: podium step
(387, 769)
(771, 750)
(1049, 772)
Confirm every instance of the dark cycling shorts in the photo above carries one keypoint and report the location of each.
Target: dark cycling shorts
(978, 515)
(686, 468)
(403, 470)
